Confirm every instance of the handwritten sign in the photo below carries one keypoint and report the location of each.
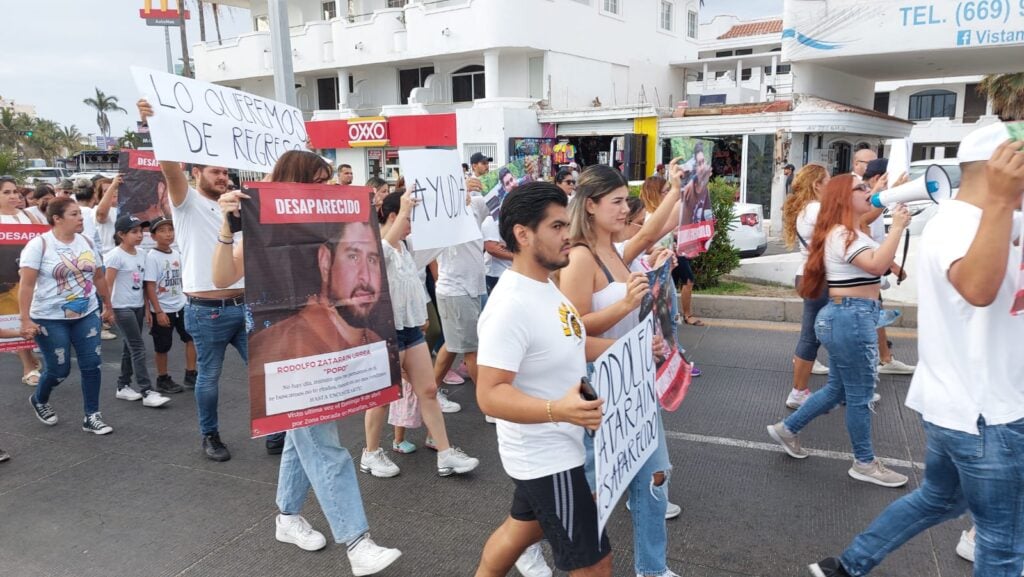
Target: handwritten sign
(624, 377)
(206, 123)
(441, 219)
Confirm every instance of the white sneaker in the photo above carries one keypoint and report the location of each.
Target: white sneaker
(877, 473)
(673, 511)
(106, 335)
(797, 398)
(965, 548)
(896, 367)
(667, 573)
(446, 405)
(128, 394)
(378, 464)
(532, 563)
(296, 530)
(818, 368)
(368, 557)
(455, 461)
(154, 399)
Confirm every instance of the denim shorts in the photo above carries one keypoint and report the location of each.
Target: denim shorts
(409, 337)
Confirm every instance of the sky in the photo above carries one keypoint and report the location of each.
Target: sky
(56, 52)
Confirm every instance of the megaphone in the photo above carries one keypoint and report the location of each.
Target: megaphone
(933, 185)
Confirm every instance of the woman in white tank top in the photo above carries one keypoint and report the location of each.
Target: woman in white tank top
(11, 213)
(607, 295)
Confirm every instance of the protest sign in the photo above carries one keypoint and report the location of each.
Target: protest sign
(323, 344)
(206, 123)
(624, 377)
(441, 218)
(696, 218)
(143, 193)
(673, 373)
(13, 238)
(498, 183)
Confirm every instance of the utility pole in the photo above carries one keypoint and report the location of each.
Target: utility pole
(167, 46)
(186, 66)
(281, 51)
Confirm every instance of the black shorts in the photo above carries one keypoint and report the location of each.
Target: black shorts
(163, 337)
(683, 273)
(564, 507)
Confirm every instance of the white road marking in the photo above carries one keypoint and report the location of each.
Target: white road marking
(774, 448)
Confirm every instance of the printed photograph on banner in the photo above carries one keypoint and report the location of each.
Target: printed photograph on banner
(696, 217)
(13, 238)
(541, 154)
(443, 216)
(624, 377)
(205, 123)
(498, 183)
(323, 343)
(143, 193)
(673, 374)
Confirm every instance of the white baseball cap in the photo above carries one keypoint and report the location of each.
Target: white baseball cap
(982, 143)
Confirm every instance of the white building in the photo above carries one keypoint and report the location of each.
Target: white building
(17, 108)
(478, 71)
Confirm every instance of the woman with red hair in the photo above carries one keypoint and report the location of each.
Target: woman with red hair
(850, 264)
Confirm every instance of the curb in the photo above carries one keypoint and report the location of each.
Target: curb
(774, 309)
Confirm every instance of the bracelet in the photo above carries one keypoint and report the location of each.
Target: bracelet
(550, 416)
(222, 241)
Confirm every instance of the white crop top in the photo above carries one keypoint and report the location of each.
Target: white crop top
(839, 268)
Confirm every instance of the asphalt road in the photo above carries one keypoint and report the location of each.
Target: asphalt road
(143, 501)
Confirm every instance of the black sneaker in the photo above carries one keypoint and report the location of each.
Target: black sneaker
(275, 444)
(4, 456)
(214, 448)
(94, 424)
(166, 385)
(44, 412)
(190, 379)
(828, 568)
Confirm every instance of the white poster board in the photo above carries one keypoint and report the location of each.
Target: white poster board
(899, 158)
(204, 123)
(442, 218)
(624, 377)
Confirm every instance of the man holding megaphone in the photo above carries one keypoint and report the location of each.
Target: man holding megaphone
(875, 176)
(969, 386)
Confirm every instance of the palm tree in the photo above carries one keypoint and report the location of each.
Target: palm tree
(1006, 91)
(131, 139)
(216, 21)
(70, 140)
(202, 21)
(104, 104)
(186, 66)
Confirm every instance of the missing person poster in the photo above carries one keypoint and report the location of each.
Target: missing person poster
(205, 123)
(13, 238)
(498, 183)
(323, 341)
(673, 373)
(143, 192)
(696, 217)
(624, 377)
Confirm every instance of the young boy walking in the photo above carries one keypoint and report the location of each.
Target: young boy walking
(166, 306)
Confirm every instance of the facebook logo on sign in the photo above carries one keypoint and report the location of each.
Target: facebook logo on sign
(963, 38)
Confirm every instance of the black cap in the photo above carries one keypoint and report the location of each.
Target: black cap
(158, 222)
(479, 157)
(789, 166)
(128, 222)
(876, 167)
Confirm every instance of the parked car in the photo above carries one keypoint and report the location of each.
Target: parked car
(93, 173)
(923, 210)
(747, 232)
(45, 175)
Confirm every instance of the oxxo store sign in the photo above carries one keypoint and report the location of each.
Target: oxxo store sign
(368, 132)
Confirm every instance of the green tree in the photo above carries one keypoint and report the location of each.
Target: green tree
(721, 258)
(10, 163)
(1006, 91)
(103, 104)
(131, 139)
(70, 140)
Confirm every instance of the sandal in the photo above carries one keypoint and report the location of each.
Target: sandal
(31, 378)
(405, 447)
(694, 323)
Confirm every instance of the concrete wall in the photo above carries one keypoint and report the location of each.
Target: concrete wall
(833, 85)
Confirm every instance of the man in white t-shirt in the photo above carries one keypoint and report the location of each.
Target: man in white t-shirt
(533, 354)
(969, 384)
(214, 317)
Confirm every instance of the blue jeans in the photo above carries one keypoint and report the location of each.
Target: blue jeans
(982, 473)
(648, 503)
(807, 346)
(849, 332)
(55, 339)
(313, 456)
(213, 329)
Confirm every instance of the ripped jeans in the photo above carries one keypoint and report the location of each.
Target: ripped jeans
(56, 338)
(648, 503)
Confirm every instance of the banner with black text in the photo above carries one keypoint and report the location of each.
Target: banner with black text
(442, 217)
